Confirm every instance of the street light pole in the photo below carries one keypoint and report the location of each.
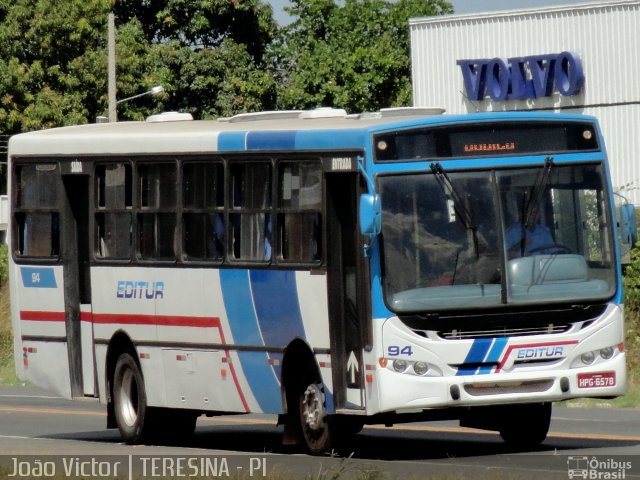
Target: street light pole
(113, 113)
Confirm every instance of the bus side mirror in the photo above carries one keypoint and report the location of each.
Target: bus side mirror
(370, 214)
(628, 224)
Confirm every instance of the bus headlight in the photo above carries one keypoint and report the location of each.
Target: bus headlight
(399, 365)
(420, 368)
(606, 353)
(588, 358)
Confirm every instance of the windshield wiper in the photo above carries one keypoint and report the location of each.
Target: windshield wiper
(460, 206)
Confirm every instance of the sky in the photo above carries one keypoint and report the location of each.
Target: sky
(459, 6)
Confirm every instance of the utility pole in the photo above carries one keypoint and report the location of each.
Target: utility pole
(111, 47)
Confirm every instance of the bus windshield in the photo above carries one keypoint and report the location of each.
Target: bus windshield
(473, 239)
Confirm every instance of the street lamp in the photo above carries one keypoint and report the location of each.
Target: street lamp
(154, 91)
(113, 117)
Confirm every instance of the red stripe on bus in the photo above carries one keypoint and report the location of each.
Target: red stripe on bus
(33, 316)
(227, 356)
(160, 320)
(124, 319)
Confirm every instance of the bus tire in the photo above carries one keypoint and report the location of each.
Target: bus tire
(526, 425)
(178, 426)
(313, 416)
(130, 400)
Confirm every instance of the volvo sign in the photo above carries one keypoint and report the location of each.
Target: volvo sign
(522, 78)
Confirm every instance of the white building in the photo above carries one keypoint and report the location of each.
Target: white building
(578, 58)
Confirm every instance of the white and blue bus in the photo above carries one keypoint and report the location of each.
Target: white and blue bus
(336, 270)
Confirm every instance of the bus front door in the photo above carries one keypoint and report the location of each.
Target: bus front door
(347, 289)
(75, 251)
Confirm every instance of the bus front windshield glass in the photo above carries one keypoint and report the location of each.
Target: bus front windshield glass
(461, 240)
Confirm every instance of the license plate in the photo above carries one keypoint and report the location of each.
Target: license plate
(597, 380)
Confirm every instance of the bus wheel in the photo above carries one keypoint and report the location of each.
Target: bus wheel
(526, 425)
(313, 416)
(130, 400)
(179, 426)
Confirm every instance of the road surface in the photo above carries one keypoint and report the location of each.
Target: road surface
(35, 423)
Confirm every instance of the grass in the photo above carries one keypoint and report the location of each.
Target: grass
(7, 367)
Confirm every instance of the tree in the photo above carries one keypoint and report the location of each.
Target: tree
(206, 53)
(354, 56)
(41, 43)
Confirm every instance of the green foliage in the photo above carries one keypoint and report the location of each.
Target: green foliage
(214, 57)
(631, 281)
(4, 263)
(354, 56)
(40, 44)
(207, 55)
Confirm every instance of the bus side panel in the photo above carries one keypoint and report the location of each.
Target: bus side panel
(269, 309)
(38, 312)
(201, 373)
(314, 307)
(211, 339)
(246, 319)
(124, 301)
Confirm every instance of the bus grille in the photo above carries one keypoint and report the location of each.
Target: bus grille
(483, 389)
(549, 329)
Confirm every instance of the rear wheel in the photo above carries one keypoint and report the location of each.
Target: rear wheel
(130, 400)
(178, 426)
(137, 421)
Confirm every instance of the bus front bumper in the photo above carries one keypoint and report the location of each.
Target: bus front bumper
(400, 392)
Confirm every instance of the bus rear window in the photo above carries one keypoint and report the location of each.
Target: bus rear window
(487, 139)
(36, 215)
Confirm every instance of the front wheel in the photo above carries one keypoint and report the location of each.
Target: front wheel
(313, 417)
(321, 432)
(526, 426)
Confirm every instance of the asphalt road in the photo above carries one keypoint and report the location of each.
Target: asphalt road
(592, 443)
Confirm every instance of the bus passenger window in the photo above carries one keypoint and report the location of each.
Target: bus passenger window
(299, 205)
(38, 234)
(156, 219)
(37, 221)
(251, 220)
(113, 194)
(113, 231)
(203, 211)
(299, 236)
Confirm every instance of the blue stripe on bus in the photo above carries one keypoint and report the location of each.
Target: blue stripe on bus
(271, 140)
(330, 139)
(494, 355)
(238, 302)
(34, 277)
(231, 141)
(476, 355)
(276, 301)
(289, 140)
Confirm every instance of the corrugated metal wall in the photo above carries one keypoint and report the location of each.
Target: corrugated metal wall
(606, 36)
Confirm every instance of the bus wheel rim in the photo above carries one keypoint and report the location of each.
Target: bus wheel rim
(313, 410)
(129, 398)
